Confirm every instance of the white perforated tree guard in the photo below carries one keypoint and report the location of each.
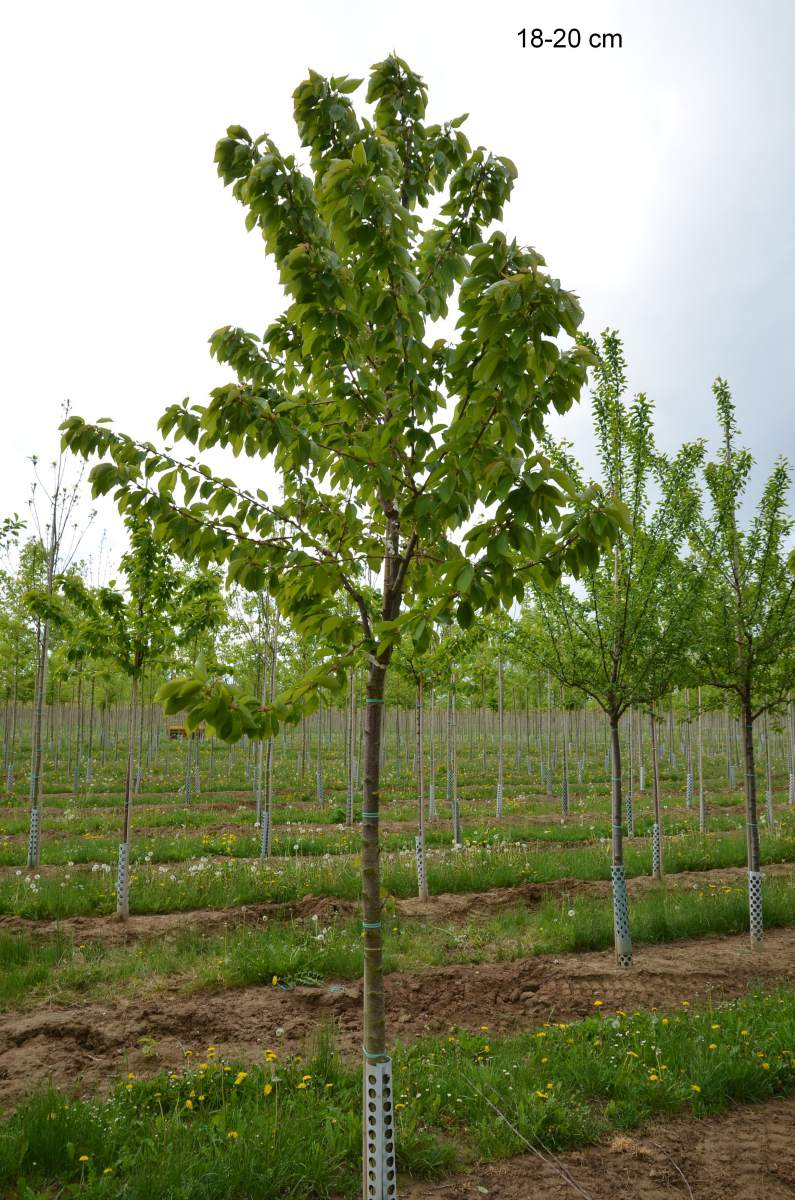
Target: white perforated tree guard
(265, 835)
(380, 1171)
(755, 905)
(623, 941)
(123, 879)
(419, 853)
(630, 815)
(791, 792)
(564, 796)
(690, 789)
(642, 778)
(457, 841)
(33, 837)
(499, 798)
(656, 855)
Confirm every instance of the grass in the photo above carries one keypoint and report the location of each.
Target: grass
(312, 952)
(216, 1131)
(214, 883)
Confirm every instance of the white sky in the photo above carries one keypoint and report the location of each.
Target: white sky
(657, 180)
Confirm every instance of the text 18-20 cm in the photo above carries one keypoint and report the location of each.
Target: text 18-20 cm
(570, 39)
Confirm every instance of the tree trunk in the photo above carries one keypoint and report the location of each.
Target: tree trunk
(702, 799)
(564, 783)
(349, 747)
(500, 734)
(771, 819)
(34, 837)
(431, 760)
(123, 869)
(621, 934)
(422, 878)
(752, 829)
(656, 833)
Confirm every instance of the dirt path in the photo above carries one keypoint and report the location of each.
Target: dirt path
(93, 1043)
(748, 1154)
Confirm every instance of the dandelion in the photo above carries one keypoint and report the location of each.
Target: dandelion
(765, 1066)
(694, 1087)
(266, 1091)
(108, 1171)
(232, 1134)
(712, 1046)
(274, 981)
(241, 1075)
(189, 1104)
(598, 1003)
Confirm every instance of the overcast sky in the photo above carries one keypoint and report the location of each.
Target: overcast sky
(657, 180)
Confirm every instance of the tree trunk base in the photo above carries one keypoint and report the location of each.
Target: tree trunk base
(379, 1166)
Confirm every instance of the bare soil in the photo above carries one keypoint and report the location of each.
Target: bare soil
(90, 1044)
(748, 1154)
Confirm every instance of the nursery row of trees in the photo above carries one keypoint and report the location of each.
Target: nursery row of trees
(420, 491)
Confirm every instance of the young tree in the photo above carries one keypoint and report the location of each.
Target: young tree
(621, 637)
(131, 630)
(59, 537)
(746, 644)
(398, 451)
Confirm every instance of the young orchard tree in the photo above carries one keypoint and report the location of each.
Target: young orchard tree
(621, 636)
(396, 450)
(17, 642)
(746, 643)
(53, 507)
(130, 630)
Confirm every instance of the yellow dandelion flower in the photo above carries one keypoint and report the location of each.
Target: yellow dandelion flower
(266, 1091)
(189, 1104)
(83, 1158)
(694, 1087)
(232, 1133)
(598, 1003)
(241, 1075)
